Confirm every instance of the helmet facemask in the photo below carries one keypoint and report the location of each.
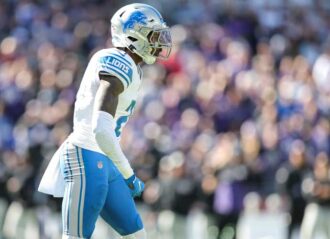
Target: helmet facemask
(153, 43)
(160, 42)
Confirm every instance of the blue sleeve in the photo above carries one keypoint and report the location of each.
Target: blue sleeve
(117, 66)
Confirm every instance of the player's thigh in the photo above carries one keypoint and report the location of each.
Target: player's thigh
(119, 210)
(85, 192)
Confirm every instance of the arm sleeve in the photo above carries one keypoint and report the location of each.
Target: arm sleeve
(106, 139)
(117, 66)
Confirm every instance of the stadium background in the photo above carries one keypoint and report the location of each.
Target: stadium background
(229, 135)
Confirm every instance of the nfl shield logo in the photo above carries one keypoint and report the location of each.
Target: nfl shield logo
(99, 164)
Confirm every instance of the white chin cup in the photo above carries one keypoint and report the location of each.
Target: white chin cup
(149, 60)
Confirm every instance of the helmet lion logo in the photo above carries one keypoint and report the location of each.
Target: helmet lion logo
(135, 17)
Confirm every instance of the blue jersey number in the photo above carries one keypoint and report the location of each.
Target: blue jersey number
(123, 119)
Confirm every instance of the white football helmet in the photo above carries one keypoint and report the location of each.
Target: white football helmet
(141, 29)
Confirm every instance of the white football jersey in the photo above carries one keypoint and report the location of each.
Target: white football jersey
(114, 62)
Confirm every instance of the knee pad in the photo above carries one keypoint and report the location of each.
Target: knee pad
(70, 237)
(141, 234)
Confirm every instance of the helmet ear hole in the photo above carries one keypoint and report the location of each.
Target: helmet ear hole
(132, 39)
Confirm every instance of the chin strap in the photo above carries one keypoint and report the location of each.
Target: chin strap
(131, 48)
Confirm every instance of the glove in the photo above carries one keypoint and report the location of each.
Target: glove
(135, 185)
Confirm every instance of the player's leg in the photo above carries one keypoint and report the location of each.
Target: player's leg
(85, 191)
(119, 210)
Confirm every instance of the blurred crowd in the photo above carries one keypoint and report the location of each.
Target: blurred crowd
(241, 106)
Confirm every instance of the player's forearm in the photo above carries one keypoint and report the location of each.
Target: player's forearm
(103, 128)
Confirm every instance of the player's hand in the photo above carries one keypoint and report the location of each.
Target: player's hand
(135, 185)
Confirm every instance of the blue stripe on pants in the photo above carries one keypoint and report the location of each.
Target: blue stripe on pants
(80, 192)
(74, 175)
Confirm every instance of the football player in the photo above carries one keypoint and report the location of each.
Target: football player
(98, 178)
